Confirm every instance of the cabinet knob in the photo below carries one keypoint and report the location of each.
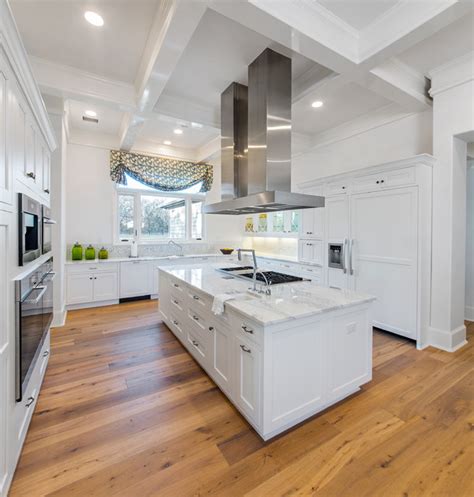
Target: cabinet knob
(176, 285)
(29, 401)
(175, 322)
(245, 349)
(31, 175)
(377, 182)
(211, 328)
(46, 191)
(195, 318)
(382, 181)
(196, 344)
(91, 278)
(195, 297)
(46, 353)
(343, 187)
(247, 329)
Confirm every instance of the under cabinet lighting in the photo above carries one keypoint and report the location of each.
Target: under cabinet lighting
(317, 104)
(94, 18)
(178, 131)
(90, 113)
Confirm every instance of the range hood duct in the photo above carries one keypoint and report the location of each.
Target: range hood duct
(256, 176)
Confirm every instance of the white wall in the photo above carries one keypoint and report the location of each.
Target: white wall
(469, 307)
(90, 200)
(405, 137)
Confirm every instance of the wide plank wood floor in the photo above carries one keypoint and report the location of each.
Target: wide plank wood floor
(125, 411)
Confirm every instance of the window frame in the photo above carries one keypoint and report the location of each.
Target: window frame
(137, 216)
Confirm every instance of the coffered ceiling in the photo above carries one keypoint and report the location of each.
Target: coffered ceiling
(156, 65)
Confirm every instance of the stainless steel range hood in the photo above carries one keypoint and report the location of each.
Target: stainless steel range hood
(256, 164)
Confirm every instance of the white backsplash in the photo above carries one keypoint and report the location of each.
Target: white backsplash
(159, 250)
(287, 247)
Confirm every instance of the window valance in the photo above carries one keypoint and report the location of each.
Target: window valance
(162, 173)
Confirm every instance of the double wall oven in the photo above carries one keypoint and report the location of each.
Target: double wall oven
(33, 316)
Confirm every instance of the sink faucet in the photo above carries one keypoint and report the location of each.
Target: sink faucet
(267, 290)
(172, 242)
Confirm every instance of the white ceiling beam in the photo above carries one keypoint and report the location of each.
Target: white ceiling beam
(67, 82)
(173, 27)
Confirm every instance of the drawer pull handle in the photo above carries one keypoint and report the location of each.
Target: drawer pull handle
(175, 322)
(195, 318)
(211, 328)
(46, 353)
(92, 268)
(46, 190)
(175, 302)
(31, 175)
(30, 401)
(196, 344)
(195, 297)
(247, 330)
(245, 349)
(176, 285)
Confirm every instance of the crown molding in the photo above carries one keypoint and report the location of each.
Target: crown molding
(454, 73)
(15, 52)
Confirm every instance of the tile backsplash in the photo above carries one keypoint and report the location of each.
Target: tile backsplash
(159, 250)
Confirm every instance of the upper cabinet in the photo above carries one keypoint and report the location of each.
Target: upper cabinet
(5, 175)
(281, 224)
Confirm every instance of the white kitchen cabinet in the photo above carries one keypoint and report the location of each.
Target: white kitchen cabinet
(385, 179)
(312, 223)
(135, 279)
(46, 172)
(221, 355)
(5, 168)
(246, 358)
(92, 284)
(351, 349)
(38, 180)
(310, 251)
(105, 286)
(79, 288)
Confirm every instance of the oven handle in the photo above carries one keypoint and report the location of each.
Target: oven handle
(40, 295)
(49, 276)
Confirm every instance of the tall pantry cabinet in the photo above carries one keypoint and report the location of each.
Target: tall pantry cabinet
(381, 216)
(26, 143)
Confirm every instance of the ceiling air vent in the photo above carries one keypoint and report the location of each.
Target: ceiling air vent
(90, 119)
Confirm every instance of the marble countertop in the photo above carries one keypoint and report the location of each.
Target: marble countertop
(288, 301)
(176, 258)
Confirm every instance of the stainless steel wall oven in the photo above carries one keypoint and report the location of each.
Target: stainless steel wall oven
(29, 229)
(33, 316)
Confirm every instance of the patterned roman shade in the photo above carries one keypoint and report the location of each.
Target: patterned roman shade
(162, 173)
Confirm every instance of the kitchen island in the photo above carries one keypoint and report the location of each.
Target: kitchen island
(279, 358)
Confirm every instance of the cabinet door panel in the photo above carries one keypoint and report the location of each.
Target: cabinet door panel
(5, 169)
(247, 362)
(30, 169)
(337, 218)
(384, 256)
(135, 279)
(80, 288)
(105, 286)
(221, 365)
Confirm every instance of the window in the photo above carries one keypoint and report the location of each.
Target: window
(152, 216)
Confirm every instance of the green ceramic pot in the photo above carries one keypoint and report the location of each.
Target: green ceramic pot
(77, 252)
(103, 253)
(90, 253)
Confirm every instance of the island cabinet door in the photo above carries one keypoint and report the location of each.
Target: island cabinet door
(350, 352)
(221, 357)
(247, 358)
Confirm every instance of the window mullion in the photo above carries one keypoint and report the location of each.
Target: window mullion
(188, 218)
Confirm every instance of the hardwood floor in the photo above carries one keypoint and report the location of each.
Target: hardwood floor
(126, 412)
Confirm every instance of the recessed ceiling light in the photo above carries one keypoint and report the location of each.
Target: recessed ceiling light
(94, 18)
(90, 113)
(317, 104)
(178, 131)
(167, 142)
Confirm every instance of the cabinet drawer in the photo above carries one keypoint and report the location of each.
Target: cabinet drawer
(247, 329)
(177, 304)
(389, 179)
(96, 268)
(311, 272)
(177, 325)
(177, 285)
(198, 347)
(199, 298)
(198, 319)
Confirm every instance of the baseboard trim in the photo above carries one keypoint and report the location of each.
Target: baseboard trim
(469, 313)
(59, 318)
(450, 341)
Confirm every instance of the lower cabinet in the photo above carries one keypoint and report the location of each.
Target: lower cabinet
(105, 286)
(79, 288)
(221, 358)
(246, 358)
(91, 283)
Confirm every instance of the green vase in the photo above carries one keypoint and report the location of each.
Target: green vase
(103, 253)
(90, 253)
(77, 252)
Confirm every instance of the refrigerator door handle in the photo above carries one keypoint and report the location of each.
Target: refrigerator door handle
(344, 255)
(351, 246)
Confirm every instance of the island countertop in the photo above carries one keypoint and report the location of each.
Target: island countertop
(288, 301)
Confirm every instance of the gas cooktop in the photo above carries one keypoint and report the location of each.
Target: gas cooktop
(273, 277)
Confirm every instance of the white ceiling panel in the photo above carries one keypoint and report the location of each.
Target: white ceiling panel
(109, 119)
(452, 42)
(358, 14)
(57, 31)
(343, 105)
